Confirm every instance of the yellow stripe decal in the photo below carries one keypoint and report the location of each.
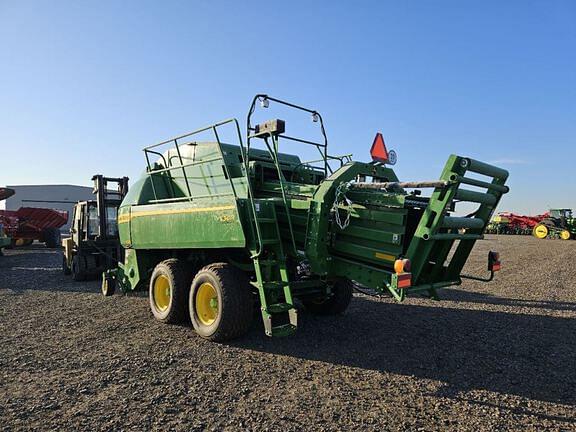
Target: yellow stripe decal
(385, 257)
(123, 218)
(127, 217)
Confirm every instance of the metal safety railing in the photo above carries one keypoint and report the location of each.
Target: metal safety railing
(316, 117)
(169, 167)
(273, 147)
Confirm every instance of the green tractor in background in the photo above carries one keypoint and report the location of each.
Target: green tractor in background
(559, 224)
(214, 229)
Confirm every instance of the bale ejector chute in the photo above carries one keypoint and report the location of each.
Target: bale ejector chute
(214, 228)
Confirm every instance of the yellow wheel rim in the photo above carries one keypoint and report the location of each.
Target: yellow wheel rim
(162, 293)
(540, 231)
(565, 235)
(207, 303)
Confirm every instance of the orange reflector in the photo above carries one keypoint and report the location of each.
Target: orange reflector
(496, 266)
(402, 265)
(378, 150)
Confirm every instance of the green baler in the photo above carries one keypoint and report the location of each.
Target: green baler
(214, 229)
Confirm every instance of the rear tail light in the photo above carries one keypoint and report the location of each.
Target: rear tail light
(403, 276)
(494, 261)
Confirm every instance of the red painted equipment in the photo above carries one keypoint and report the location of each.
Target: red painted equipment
(29, 223)
(6, 193)
(512, 223)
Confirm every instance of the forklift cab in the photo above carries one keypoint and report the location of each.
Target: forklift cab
(86, 224)
(94, 245)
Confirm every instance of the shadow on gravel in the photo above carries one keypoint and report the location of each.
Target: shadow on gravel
(36, 268)
(482, 298)
(9, 258)
(525, 355)
(42, 271)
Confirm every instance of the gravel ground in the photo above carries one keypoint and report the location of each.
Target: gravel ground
(496, 356)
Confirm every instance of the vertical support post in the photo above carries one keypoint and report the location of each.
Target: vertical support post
(183, 169)
(150, 175)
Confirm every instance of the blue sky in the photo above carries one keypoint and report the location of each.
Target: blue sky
(85, 85)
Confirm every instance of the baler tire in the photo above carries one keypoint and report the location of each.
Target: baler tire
(78, 269)
(177, 275)
(65, 268)
(52, 237)
(108, 287)
(235, 302)
(337, 303)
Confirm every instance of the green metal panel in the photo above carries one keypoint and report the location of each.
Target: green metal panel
(318, 236)
(203, 223)
(124, 226)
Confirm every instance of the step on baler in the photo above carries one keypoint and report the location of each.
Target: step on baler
(214, 229)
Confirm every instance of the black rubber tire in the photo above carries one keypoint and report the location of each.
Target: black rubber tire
(108, 287)
(52, 238)
(78, 269)
(179, 281)
(65, 269)
(235, 302)
(337, 303)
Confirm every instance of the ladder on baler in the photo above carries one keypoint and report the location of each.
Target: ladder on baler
(437, 232)
(272, 279)
(271, 273)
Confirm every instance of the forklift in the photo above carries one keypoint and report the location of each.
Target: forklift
(94, 245)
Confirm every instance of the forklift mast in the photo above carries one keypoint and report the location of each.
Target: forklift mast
(108, 199)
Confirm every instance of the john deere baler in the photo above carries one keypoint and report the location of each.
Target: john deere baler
(214, 229)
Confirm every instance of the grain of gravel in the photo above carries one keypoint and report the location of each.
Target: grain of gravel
(498, 356)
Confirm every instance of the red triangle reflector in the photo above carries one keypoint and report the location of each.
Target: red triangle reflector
(378, 150)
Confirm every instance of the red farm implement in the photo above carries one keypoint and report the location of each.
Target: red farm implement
(28, 224)
(512, 223)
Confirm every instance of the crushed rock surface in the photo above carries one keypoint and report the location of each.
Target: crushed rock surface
(496, 356)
